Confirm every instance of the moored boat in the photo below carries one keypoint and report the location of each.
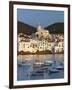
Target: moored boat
(53, 70)
(38, 64)
(48, 63)
(60, 67)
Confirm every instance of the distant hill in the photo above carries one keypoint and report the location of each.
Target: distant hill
(56, 28)
(25, 28)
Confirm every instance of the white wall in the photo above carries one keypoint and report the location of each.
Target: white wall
(4, 45)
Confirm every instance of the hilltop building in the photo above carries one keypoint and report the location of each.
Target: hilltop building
(42, 33)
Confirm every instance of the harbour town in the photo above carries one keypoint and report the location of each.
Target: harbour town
(40, 42)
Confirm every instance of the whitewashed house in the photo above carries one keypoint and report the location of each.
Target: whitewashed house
(42, 45)
(50, 46)
(24, 46)
(59, 47)
(28, 46)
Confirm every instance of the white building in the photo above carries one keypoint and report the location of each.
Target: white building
(24, 46)
(42, 45)
(28, 46)
(50, 46)
(59, 47)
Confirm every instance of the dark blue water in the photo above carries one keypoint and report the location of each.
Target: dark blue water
(35, 67)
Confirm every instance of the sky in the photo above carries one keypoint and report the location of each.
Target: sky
(42, 17)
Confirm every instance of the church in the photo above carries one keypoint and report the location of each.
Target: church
(42, 33)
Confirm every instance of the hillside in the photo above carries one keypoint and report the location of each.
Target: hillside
(56, 28)
(25, 28)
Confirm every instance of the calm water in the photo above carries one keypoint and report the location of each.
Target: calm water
(34, 67)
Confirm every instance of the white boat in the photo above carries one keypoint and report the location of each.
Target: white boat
(44, 68)
(38, 64)
(48, 63)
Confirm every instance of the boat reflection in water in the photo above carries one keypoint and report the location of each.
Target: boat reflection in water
(35, 67)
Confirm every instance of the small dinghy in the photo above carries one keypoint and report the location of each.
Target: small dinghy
(53, 70)
(60, 67)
